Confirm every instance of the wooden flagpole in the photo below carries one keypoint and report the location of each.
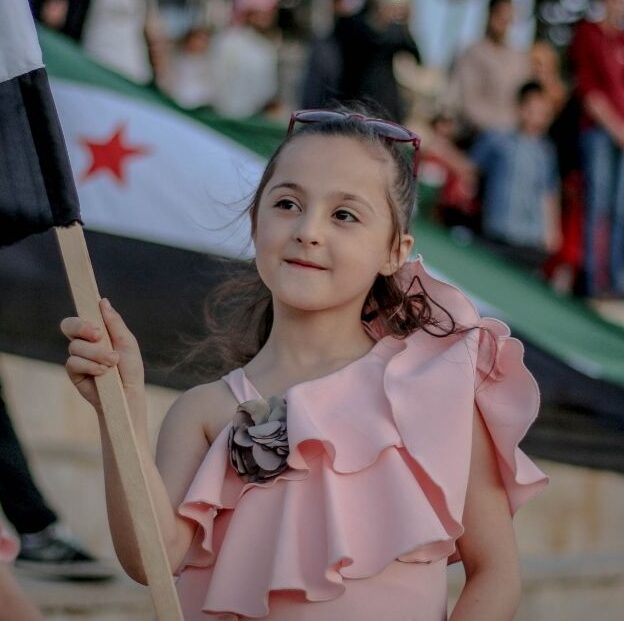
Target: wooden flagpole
(123, 439)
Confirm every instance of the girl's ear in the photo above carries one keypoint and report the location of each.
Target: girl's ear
(399, 254)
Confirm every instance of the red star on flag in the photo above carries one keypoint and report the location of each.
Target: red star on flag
(111, 155)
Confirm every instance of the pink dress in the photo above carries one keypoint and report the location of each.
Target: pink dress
(364, 522)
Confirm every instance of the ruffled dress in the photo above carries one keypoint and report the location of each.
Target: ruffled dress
(363, 523)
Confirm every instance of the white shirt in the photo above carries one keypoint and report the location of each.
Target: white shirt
(114, 36)
(244, 71)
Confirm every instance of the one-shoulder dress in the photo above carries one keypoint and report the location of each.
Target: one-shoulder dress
(362, 524)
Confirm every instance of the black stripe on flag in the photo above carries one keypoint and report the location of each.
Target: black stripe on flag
(581, 421)
(37, 189)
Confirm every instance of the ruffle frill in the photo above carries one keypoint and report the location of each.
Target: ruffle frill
(379, 462)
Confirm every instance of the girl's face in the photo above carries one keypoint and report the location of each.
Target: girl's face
(324, 226)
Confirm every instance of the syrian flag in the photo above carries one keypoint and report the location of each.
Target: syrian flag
(37, 190)
(146, 171)
(37, 193)
(162, 195)
(161, 191)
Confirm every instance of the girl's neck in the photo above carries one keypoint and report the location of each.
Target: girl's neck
(303, 344)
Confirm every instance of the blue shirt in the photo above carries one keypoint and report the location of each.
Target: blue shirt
(520, 172)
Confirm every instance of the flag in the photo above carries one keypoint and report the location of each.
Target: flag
(37, 193)
(161, 275)
(37, 189)
(147, 170)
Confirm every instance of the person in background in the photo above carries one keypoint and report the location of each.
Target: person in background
(563, 268)
(545, 69)
(189, 77)
(457, 175)
(46, 546)
(521, 205)
(126, 36)
(15, 605)
(597, 55)
(244, 61)
(66, 16)
(323, 73)
(123, 35)
(487, 76)
(368, 41)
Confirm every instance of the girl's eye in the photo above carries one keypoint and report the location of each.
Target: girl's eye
(286, 204)
(345, 216)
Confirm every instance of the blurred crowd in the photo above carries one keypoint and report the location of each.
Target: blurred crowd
(521, 148)
(532, 162)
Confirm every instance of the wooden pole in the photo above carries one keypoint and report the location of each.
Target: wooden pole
(123, 439)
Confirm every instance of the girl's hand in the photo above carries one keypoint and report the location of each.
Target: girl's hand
(90, 356)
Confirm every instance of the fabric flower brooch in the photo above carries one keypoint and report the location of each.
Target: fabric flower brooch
(258, 440)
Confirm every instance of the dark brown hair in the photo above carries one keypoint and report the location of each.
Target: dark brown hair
(239, 315)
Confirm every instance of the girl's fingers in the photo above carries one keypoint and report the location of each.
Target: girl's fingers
(76, 328)
(97, 352)
(78, 368)
(121, 337)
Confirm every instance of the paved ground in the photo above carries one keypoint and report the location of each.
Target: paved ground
(117, 599)
(565, 588)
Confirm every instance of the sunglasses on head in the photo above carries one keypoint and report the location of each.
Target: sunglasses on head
(386, 129)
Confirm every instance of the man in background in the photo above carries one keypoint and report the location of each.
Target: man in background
(488, 74)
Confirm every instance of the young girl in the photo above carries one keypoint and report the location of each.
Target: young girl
(370, 438)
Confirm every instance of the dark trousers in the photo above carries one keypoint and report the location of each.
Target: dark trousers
(21, 501)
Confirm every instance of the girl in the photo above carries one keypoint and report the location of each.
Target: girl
(371, 435)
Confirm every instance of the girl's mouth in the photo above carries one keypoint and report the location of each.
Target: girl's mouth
(304, 264)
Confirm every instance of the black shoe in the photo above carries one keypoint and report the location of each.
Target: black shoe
(53, 553)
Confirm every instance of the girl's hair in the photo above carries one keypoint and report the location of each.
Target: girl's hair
(239, 316)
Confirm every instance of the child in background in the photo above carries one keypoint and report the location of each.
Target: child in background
(521, 209)
(190, 79)
(546, 69)
(244, 61)
(456, 201)
(365, 434)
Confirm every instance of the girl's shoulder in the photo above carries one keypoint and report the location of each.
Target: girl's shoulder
(207, 406)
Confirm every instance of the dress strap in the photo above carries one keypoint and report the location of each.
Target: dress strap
(240, 386)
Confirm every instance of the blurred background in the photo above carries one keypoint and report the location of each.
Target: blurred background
(169, 110)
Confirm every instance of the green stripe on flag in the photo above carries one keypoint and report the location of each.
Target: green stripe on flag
(562, 326)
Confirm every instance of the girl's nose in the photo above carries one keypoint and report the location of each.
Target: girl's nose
(309, 230)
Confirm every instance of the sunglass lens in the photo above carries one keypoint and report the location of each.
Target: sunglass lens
(391, 131)
(317, 116)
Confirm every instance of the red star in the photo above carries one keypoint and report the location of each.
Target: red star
(111, 155)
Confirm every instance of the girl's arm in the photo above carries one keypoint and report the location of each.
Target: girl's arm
(488, 545)
(182, 432)
(181, 447)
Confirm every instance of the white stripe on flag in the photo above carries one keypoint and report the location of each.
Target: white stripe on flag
(20, 52)
(187, 190)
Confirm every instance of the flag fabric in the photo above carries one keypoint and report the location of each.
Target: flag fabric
(144, 168)
(161, 193)
(37, 193)
(37, 190)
